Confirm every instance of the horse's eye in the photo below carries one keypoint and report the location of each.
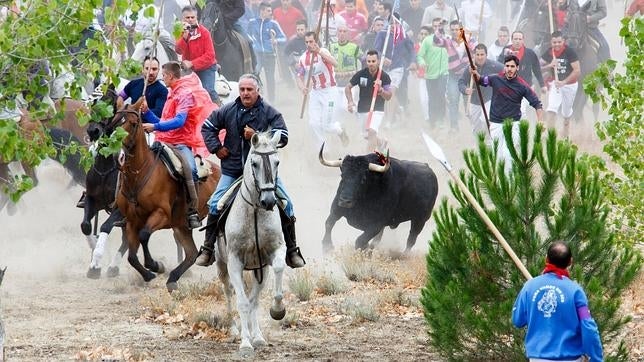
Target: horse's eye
(253, 163)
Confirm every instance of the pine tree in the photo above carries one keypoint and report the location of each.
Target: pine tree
(551, 193)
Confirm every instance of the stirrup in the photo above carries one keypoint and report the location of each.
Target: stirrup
(120, 223)
(81, 202)
(294, 258)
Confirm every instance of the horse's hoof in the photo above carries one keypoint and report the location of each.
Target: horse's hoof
(246, 352)
(148, 277)
(172, 286)
(259, 343)
(94, 273)
(112, 272)
(278, 315)
(160, 269)
(86, 228)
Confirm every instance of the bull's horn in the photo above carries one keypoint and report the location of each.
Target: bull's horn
(378, 168)
(336, 163)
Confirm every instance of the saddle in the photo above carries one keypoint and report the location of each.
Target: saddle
(226, 201)
(172, 162)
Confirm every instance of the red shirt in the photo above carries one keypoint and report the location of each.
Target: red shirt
(198, 49)
(287, 19)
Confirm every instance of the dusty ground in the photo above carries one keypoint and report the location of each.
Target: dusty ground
(52, 312)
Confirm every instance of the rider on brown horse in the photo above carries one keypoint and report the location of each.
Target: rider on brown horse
(187, 105)
(241, 119)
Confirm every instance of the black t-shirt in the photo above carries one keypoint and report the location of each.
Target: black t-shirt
(365, 80)
(565, 60)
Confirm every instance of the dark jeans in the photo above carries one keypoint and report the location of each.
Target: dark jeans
(208, 78)
(266, 61)
(436, 95)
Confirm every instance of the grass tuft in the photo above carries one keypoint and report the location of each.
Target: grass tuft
(301, 284)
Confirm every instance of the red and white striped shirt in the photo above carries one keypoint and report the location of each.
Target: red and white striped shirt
(323, 72)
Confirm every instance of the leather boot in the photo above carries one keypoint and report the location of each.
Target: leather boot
(207, 252)
(81, 202)
(294, 257)
(193, 217)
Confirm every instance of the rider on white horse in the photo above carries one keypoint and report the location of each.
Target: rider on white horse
(241, 119)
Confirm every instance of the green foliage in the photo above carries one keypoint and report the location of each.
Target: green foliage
(620, 93)
(550, 193)
(39, 44)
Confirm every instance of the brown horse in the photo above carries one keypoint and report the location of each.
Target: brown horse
(150, 199)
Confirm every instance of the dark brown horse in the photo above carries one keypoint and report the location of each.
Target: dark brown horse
(151, 199)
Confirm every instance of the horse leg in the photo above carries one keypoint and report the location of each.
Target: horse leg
(184, 236)
(89, 211)
(253, 301)
(148, 261)
(179, 247)
(113, 269)
(235, 270)
(133, 247)
(278, 311)
(222, 272)
(94, 271)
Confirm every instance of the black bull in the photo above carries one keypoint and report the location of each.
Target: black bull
(371, 196)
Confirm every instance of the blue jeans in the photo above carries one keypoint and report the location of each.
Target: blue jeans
(208, 78)
(266, 61)
(187, 154)
(225, 182)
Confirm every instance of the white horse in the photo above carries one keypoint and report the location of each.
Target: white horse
(146, 47)
(253, 240)
(228, 90)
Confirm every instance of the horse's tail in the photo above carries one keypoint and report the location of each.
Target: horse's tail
(61, 139)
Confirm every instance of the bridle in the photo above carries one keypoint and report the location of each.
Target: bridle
(268, 177)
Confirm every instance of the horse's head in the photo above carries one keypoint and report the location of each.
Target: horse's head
(105, 126)
(211, 17)
(262, 162)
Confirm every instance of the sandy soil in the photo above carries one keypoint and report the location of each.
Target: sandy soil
(52, 312)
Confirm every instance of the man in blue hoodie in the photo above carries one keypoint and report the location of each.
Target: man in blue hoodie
(555, 310)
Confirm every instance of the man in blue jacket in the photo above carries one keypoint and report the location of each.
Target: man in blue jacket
(555, 310)
(241, 119)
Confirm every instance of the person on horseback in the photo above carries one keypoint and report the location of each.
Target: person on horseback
(247, 115)
(187, 104)
(198, 51)
(155, 94)
(595, 10)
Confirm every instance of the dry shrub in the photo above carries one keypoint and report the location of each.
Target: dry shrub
(330, 285)
(362, 266)
(212, 320)
(198, 290)
(397, 297)
(102, 353)
(361, 310)
(291, 320)
(301, 285)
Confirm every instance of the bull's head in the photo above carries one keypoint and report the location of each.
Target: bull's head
(357, 172)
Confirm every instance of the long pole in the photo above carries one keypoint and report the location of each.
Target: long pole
(469, 56)
(308, 74)
(552, 30)
(469, 96)
(376, 86)
(437, 152)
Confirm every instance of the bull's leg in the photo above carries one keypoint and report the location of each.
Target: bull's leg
(133, 247)
(184, 236)
(235, 270)
(377, 239)
(363, 240)
(327, 242)
(416, 227)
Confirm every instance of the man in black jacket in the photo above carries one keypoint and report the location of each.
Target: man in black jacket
(241, 119)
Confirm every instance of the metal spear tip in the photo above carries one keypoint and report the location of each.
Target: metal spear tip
(436, 151)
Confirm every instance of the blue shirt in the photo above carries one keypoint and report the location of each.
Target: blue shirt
(559, 323)
(507, 95)
(155, 94)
